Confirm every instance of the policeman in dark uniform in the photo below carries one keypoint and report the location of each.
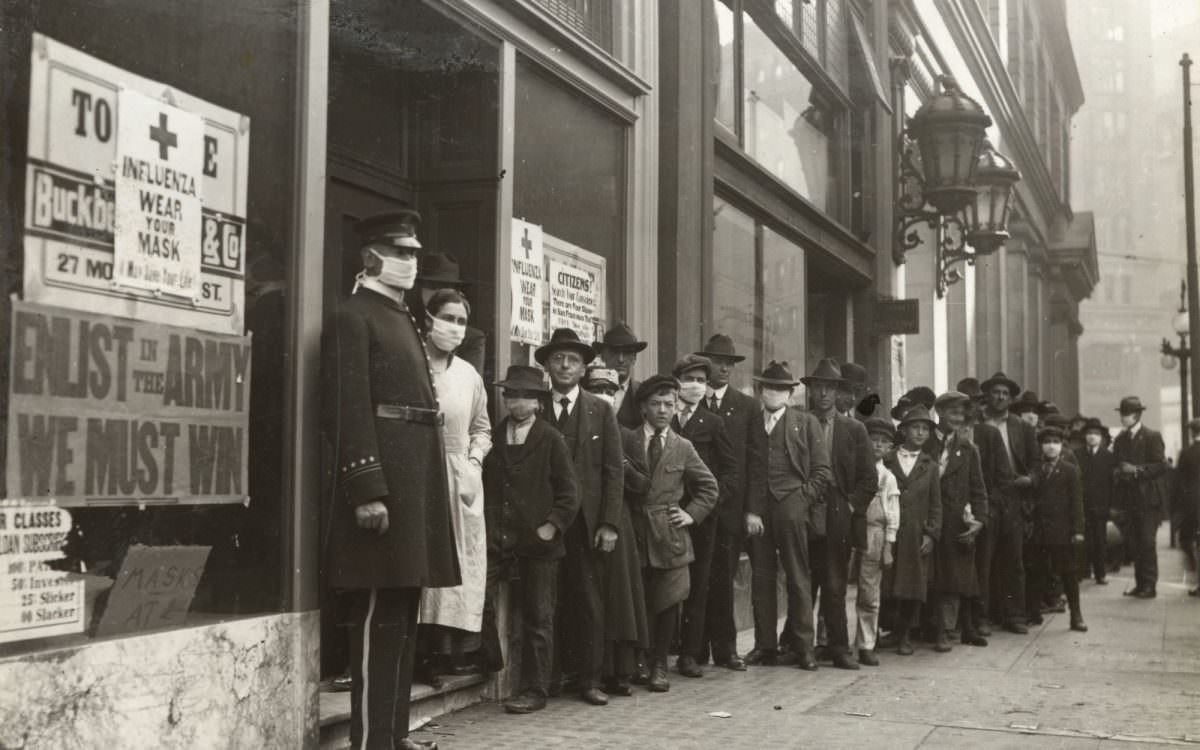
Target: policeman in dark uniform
(390, 530)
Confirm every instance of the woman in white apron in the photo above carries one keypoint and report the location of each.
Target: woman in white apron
(451, 618)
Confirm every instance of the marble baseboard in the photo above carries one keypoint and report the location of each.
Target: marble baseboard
(246, 683)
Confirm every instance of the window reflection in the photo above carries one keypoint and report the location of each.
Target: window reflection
(783, 281)
(734, 284)
(726, 113)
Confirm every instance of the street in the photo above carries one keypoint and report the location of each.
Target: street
(1135, 677)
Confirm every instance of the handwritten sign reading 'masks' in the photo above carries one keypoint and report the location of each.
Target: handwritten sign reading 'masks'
(154, 589)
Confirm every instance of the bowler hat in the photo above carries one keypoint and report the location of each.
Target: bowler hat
(1057, 420)
(720, 345)
(777, 374)
(691, 362)
(620, 336)
(1131, 405)
(854, 373)
(1049, 432)
(880, 426)
(564, 338)
(524, 378)
(1027, 401)
(396, 228)
(827, 371)
(439, 268)
(601, 375)
(654, 384)
(951, 398)
(916, 414)
(1094, 423)
(1000, 379)
(901, 408)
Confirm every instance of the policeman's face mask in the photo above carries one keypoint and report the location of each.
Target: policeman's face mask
(396, 272)
(1093, 439)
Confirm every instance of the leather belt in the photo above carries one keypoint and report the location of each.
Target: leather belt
(409, 414)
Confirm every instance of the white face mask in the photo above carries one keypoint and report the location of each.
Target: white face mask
(1093, 439)
(774, 400)
(520, 409)
(398, 273)
(692, 391)
(446, 336)
(1051, 450)
(1128, 420)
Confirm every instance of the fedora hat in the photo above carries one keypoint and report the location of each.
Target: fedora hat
(951, 398)
(777, 374)
(1058, 420)
(691, 362)
(970, 386)
(621, 336)
(601, 375)
(901, 408)
(854, 374)
(395, 228)
(828, 371)
(918, 413)
(1094, 423)
(439, 268)
(1131, 405)
(1027, 401)
(524, 378)
(880, 426)
(720, 345)
(1000, 379)
(564, 338)
(653, 384)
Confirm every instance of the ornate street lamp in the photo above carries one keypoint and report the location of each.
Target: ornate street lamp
(956, 170)
(1181, 353)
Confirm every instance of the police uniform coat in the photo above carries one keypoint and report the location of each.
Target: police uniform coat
(961, 483)
(372, 357)
(920, 514)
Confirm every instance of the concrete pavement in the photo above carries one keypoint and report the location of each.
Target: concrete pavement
(1134, 678)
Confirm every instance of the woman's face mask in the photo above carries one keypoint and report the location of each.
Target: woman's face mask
(444, 335)
(774, 399)
(520, 409)
(398, 273)
(1051, 449)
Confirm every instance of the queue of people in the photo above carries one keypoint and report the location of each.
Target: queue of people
(619, 509)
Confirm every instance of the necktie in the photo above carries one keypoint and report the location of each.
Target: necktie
(684, 416)
(565, 403)
(656, 449)
(714, 404)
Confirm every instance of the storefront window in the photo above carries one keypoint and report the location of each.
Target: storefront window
(170, 463)
(735, 285)
(784, 295)
(790, 128)
(726, 62)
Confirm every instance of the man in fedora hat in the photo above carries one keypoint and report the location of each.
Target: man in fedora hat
(784, 503)
(706, 432)
(390, 531)
(737, 411)
(1141, 461)
(1097, 465)
(853, 487)
(441, 271)
(619, 349)
(589, 426)
(853, 391)
(1008, 524)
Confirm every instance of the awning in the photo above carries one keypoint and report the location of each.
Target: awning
(864, 49)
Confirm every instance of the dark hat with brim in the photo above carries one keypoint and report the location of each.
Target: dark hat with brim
(915, 415)
(922, 395)
(854, 374)
(1094, 423)
(827, 371)
(654, 384)
(951, 398)
(880, 426)
(901, 408)
(621, 336)
(1050, 432)
(1131, 405)
(524, 378)
(564, 338)
(720, 345)
(1027, 401)
(1000, 379)
(1058, 421)
(691, 362)
(439, 268)
(395, 228)
(969, 386)
(777, 374)
(1047, 408)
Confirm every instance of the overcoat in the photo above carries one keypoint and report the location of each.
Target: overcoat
(961, 483)
(1097, 471)
(737, 410)
(1144, 450)
(920, 514)
(628, 415)
(996, 464)
(1058, 508)
(598, 463)
(854, 482)
(379, 415)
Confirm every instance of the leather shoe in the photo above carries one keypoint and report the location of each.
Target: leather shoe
(688, 667)
(891, 640)
(867, 658)
(842, 660)
(1077, 624)
(619, 686)
(806, 662)
(1135, 591)
(1036, 619)
(762, 657)
(734, 662)
(1146, 594)
(941, 644)
(407, 743)
(1101, 581)
(595, 696)
(425, 675)
(641, 676)
(525, 703)
(983, 629)
(904, 646)
(658, 680)
(823, 653)
(973, 639)
(1019, 628)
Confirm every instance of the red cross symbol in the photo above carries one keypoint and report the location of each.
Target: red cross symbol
(527, 244)
(163, 137)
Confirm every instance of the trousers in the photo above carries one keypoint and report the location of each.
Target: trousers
(830, 560)
(695, 609)
(720, 631)
(1007, 589)
(537, 594)
(870, 578)
(581, 592)
(1143, 526)
(783, 544)
(1047, 561)
(383, 645)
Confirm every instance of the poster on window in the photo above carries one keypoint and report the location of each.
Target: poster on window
(108, 411)
(36, 601)
(575, 289)
(82, 131)
(527, 276)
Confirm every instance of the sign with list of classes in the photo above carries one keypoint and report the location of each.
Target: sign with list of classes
(109, 411)
(107, 149)
(36, 601)
(527, 281)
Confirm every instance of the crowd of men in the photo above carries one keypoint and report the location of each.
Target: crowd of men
(620, 509)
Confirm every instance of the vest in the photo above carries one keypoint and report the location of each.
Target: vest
(782, 479)
(570, 430)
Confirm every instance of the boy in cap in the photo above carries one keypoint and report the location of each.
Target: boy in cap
(530, 499)
(1057, 527)
(876, 555)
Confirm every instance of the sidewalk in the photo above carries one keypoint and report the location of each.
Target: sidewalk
(1135, 677)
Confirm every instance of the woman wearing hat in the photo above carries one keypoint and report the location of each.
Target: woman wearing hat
(920, 522)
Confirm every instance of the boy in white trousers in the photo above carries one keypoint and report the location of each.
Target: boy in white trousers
(875, 552)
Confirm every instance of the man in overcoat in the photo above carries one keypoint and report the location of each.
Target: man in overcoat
(1141, 461)
(1008, 566)
(706, 432)
(785, 502)
(390, 531)
(619, 349)
(738, 412)
(1097, 465)
(593, 437)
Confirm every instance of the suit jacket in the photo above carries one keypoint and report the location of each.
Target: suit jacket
(738, 410)
(526, 486)
(373, 355)
(996, 465)
(706, 432)
(809, 458)
(852, 462)
(1187, 485)
(1097, 477)
(1023, 445)
(1058, 510)
(628, 414)
(679, 470)
(1147, 453)
(599, 463)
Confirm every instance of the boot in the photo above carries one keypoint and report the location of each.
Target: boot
(904, 645)
(1077, 623)
(941, 643)
(658, 676)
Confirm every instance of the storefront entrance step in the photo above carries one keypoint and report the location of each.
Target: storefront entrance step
(455, 694)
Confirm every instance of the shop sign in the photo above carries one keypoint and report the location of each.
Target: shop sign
(153, 589)
(109, 151)
(575, 283)
(527, 279)
(899, 317)
(106, 411)
(36, 601)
